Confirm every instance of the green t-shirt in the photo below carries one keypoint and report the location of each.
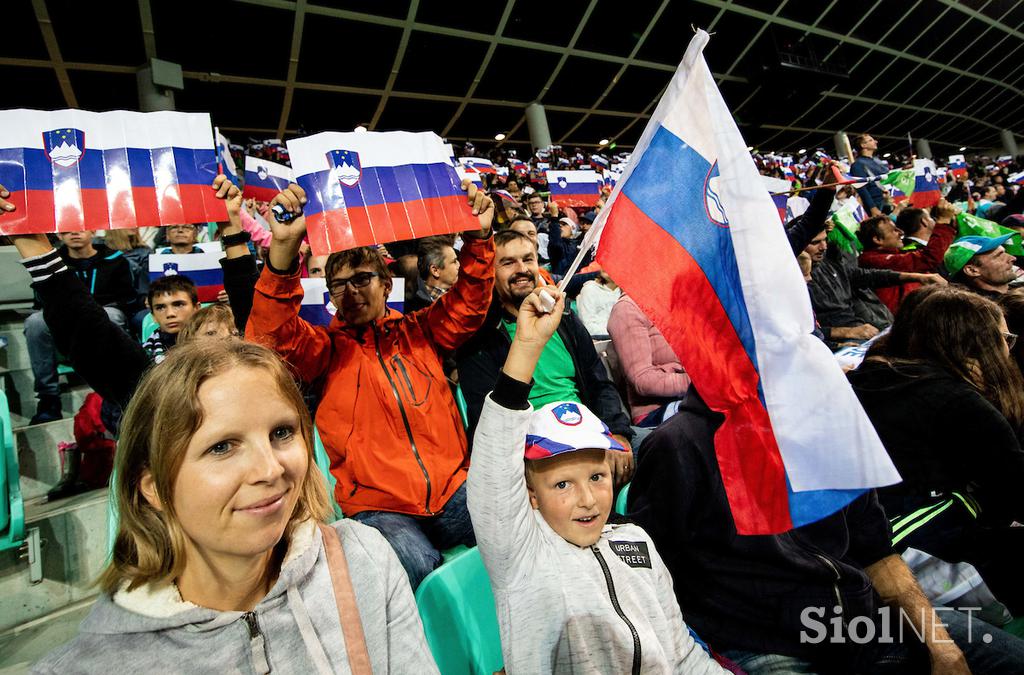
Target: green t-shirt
(555, 376)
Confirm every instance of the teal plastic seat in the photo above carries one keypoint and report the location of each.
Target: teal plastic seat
(459, 618)
(620, 501)
(12, 508)
(323, 462)
(149, 327)
(113, 515)
(460, 403)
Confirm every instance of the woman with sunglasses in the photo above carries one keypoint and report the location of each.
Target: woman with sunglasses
(947, 401)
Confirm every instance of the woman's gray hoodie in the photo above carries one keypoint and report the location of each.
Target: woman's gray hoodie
(294, 629)
(606, 608)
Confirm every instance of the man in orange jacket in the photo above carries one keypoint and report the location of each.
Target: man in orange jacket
(387, 417)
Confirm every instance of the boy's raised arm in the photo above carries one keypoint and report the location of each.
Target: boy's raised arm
(497, 495)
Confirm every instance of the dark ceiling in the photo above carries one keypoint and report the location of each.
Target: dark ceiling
(792, 71)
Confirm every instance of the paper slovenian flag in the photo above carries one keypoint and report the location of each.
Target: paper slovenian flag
(377, 187)
(719, 281)
(957, 166)
(317, 308)
(926, 185)
(72, 170)
(264, 179)
(575, 188)
(202, 268)
(478, 164)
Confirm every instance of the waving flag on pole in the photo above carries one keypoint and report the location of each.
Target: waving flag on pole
(575, 188)
(202, 268)
(71, 170)
(377, 187)
(720, 281)
(264, 179)
(225, 162)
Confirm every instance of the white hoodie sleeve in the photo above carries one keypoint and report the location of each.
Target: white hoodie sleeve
(496, 493)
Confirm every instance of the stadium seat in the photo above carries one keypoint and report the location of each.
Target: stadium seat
(12, 508)
(459, 618)
(149, 327)
(460, 403)
(620, 501)
(112, 513)
(324, 463)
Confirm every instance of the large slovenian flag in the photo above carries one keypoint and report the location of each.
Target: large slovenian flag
(72, 170)
(202, 268)
(575, 188)
(957, 166)
(264, 179)
(377, 187)
(225, 161)
(926, 185)
(720, 281)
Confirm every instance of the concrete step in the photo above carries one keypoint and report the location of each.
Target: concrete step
(21, 397)
(38, 458)
(74, 552)
(23, 645)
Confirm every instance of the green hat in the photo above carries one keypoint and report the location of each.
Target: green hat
(963, 249)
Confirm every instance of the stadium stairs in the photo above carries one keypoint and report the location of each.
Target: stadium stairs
(46, 578)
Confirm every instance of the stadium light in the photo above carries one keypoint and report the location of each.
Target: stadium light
(750, 148)
(499, 137)
(603, 141)
(886, 155)
(963, 148)
(801, 151)
(360, 129)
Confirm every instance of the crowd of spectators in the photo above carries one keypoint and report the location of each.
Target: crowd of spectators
(223, 509)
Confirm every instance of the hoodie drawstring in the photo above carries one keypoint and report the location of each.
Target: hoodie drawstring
(309, 638)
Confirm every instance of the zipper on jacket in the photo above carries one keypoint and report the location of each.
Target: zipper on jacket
(835, 586)
(637, 653)
(405, 417)
(257, 645)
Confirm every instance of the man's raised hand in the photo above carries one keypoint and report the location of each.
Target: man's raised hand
(483, 209)
(230, 193)
(292, 199)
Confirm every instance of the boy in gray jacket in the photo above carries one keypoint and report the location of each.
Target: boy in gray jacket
(573, 594)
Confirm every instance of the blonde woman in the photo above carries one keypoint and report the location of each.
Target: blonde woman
(222, 562)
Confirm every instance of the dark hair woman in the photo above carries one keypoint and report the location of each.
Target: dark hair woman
(947, 401)
(1012, 305)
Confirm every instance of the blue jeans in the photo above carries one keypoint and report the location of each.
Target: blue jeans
(43, 355)
(988, 650)
(418, 540)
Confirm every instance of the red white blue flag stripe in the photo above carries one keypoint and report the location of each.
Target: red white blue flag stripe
(575, 188)
(377, 187)
(478, 164)
(720, 281)
(72, 170)
(926, 185)
(264, 179)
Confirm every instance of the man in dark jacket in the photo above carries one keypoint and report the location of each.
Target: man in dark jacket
(107, 276)
(569, 369)
(865, 166)
(809, 600)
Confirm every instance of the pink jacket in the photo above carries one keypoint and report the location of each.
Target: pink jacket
(260, 236)
(653, 373)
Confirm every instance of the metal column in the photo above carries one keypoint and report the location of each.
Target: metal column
(537, 123)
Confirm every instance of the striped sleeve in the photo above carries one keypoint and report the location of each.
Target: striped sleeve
(44, 266)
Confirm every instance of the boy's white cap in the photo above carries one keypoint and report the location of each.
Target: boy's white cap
(566, 427)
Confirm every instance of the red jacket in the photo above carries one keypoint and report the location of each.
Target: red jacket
(927, 260)
(387, 418)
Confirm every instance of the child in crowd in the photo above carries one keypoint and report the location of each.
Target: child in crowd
(573, 593)
(215, 321)
(172, 300)
(222, 560)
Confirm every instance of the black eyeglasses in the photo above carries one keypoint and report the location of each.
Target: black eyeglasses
(358, 280)
(1011, 339)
